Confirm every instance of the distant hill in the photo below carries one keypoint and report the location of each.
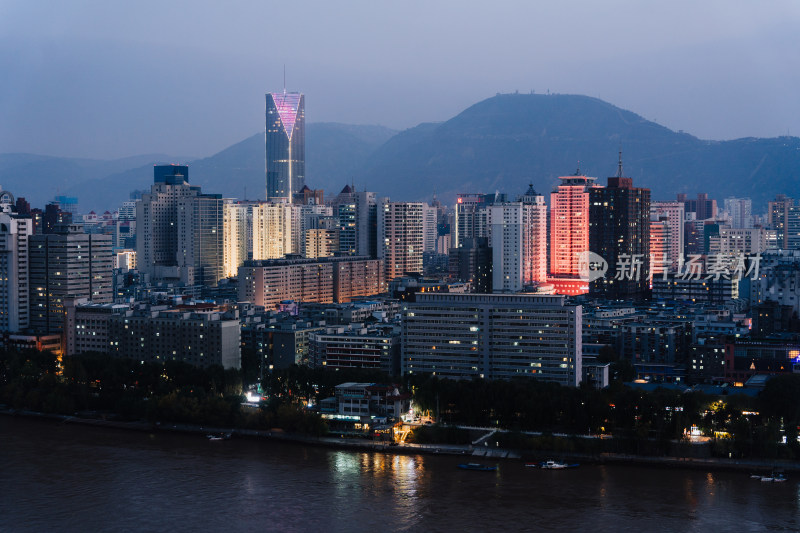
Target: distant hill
(500, 144)
(334, 152)
(39, 178)
(507, 141)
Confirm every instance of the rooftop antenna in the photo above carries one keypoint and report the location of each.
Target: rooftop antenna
(619, 168)
(578, 172)
(284, 78)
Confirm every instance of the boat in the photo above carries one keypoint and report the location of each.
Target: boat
(555, 465)
(772, 478)
(218, 436)
(477, 466)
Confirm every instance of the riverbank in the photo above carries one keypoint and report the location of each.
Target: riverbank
(483, 454)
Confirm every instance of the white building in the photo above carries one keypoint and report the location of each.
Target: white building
(401, 238)
(673, 214)
(14, 272)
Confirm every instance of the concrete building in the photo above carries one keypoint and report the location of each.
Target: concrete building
(200, 239)
(569, 233)
(235, 236)
(493, 336)
(272, 230)
(470, 220)
(673, 214)
(400, 225)
(15, 232)
(332, 279)
(429, 228)
(87, 325)
(157, 242)
(67, 263)
(357, 346)
(472, 263)
(619, 231)
(738, 241)
(518, 239)
(695, 289)
(366, 224)
(321, 243)
(201, 335)
(740, 211)
(777, 218)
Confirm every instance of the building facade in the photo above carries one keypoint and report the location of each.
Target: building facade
(332, 279)
(67, 263)
(492, 336)
(285, 145)
(569, 233)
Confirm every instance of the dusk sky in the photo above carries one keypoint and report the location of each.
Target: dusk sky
(111, 79)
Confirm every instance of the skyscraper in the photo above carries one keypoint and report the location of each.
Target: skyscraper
(200, 239)
(569, 233)
(672, 213)
(285, 145)
(619, 231)
(400, 230)
(518, 239)
(157, 222)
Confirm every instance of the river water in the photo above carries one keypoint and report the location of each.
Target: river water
(60, 477)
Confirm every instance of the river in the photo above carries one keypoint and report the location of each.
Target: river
(61, 477)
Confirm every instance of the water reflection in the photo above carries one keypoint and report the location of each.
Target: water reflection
(89, 479)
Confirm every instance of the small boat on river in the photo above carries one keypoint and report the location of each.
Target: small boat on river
(477, 466)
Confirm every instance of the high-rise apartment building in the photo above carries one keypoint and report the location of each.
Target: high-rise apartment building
(659, 245)
(235, 236)
(15, 232)
(272, 230)
(321, 243)
(703, 207)
(157, 222)
(569, 233)
(778, 218)
(518, 239)
(285, 145)
(493, 336)
(672, 213)
(430, 228)
(400, 230)
(66, 263)
(366, 224)
(619, 231)
(740, 211)
(200, 239)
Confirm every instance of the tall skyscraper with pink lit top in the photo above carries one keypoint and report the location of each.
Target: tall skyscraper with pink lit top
(285, 145)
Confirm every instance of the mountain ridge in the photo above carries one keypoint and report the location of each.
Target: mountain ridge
(501, 144)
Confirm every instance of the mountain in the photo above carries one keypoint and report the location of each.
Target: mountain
(334, 152)
(500, 144)
(39, 178)
(505, 142)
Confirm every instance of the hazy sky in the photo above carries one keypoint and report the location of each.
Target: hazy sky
(111, 78)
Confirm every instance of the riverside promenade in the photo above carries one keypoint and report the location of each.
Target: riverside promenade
(365, 445)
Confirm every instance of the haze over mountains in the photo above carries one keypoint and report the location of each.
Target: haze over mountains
(502, 143)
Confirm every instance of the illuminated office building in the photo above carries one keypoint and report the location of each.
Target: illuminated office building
(285, 145)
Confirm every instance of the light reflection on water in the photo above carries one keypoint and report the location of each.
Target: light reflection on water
(61, 477)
